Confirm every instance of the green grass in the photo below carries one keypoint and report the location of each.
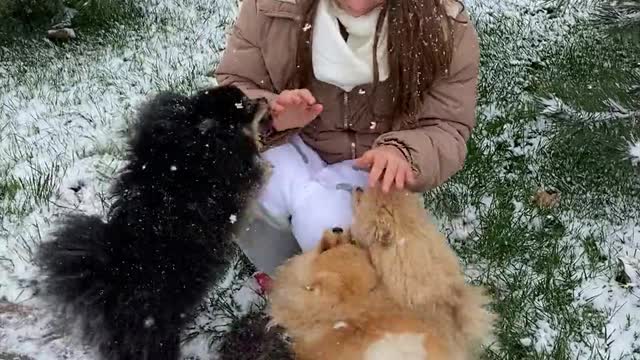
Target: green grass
(26, 21)
(530, 260)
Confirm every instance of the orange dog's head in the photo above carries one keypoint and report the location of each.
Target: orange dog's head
(310, 286)
(380, 218)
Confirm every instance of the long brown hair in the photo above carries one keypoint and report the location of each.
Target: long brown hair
(420, 48)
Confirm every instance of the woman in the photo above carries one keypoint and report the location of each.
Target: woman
(344, 117)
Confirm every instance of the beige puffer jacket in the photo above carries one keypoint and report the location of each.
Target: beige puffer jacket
(260, 57)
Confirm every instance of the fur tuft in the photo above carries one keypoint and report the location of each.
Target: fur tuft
(418, 267)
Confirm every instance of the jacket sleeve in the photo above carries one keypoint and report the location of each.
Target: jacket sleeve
(242, 64)
(437, 147)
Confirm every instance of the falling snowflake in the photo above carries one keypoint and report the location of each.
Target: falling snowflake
(340, 325)
(306, 27)
(173, 168)
(233, 218)
(239, 106)
(372, 125)
(362, 92)
(149, 322)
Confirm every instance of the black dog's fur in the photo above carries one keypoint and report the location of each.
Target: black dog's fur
(132, 281)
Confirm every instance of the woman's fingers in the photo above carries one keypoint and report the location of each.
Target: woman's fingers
(277, 107)
(390, 173)
(401, 175)
(379, 164)
(315, 110)
(306, 96)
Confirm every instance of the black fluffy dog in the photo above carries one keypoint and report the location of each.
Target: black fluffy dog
(131, 282)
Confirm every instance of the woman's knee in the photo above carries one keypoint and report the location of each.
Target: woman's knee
(287, 169)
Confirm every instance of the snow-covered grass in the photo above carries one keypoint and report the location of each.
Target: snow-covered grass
(557, 110)
(634, 152)
(64, 112)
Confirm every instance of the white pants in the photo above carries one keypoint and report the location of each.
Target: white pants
(306, 191)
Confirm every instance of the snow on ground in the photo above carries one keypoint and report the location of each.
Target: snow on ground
(62, 126)
(618, 299)
(617, 112)
(634, 153)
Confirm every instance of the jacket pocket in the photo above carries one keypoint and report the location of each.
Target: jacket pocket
(282, 9)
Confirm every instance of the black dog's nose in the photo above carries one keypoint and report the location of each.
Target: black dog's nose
(256, 104)
(359, 189)
(337, 230)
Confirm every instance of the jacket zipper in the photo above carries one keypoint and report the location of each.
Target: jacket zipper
(346, 125)
(353, 145)
(345, 110)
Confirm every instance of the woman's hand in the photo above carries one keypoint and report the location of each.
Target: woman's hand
(388, 165)
(294, 109)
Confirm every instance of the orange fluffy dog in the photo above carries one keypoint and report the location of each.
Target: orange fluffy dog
(417, 266)
(330, 303)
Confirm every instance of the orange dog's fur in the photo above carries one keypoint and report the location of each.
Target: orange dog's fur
(330, 303)
(417, 266)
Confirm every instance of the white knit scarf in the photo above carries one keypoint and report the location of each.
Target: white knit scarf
(347, 64)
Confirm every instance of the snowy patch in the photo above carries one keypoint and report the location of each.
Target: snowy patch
(557, 108)
(610, 292)
(634, 153)
(33, 334)
(622, 313)
(545, 336)
(526, 342)
(463, 226)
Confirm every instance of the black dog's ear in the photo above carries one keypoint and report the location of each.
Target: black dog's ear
(158, 118)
